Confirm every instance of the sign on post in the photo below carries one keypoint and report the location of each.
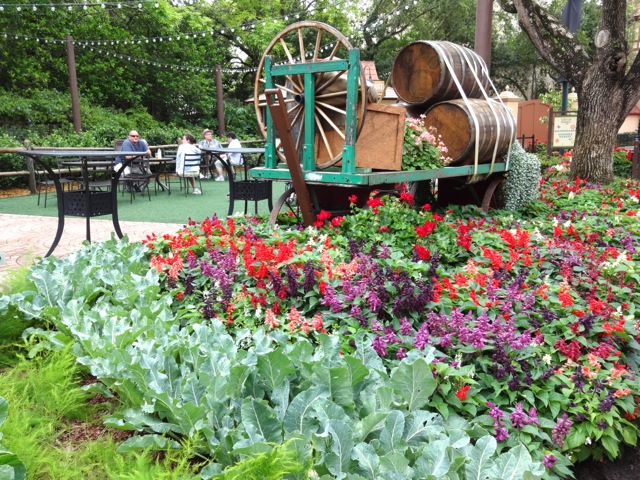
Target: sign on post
(563, 134)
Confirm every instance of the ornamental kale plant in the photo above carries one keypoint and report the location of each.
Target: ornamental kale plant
(452, 342)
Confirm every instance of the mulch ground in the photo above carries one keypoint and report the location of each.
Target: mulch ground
(14, 192)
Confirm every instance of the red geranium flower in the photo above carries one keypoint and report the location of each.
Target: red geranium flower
(374, 202)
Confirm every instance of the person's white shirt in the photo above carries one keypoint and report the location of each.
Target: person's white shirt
(235, 159)
(187, 149)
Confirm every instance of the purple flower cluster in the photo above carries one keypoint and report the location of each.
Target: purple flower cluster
(498, 423)
(519, 418)
(549, 461)
(561, 430)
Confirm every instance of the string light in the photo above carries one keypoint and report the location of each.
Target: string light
(69, 6)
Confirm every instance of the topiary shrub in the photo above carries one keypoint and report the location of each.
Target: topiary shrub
(523, 178)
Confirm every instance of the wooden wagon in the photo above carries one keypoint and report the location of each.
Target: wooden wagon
(313, 106)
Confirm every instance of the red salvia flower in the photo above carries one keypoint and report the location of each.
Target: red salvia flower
(462, 392)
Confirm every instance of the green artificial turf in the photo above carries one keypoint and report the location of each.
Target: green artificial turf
(174, 208)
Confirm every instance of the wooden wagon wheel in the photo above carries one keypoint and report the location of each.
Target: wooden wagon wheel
(306, 42)
(493, 195)
(286, 204)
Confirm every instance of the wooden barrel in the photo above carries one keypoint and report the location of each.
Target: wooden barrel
(421, 76)
(454, 120)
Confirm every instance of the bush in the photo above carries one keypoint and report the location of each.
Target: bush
(622, 163)
(523, 178)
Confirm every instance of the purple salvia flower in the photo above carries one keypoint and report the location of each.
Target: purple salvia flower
(331, 299)
(293, 285)
(405, 326)
(402, 353)
(561, 430)
(607, 403)
(188, 285)
(390, 335)
(422, 337)
(374, 302)
(549, 461)
(379, 346)
(627, 243)
(501, 433)
(518, 417)
(310, 278)
(208, 270)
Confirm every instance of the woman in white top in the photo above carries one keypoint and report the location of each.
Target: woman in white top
(234, 159)
(188, 147)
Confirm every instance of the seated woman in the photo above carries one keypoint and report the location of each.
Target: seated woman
(234, 159)
(191, 169)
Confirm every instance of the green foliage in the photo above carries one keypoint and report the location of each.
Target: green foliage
(622, 163)
(10, 465)
(523, 178)
(11, 322)
(279, 461)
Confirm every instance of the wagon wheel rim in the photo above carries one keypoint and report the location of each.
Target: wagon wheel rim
(304, 42)
(286, 204)
(492, 197)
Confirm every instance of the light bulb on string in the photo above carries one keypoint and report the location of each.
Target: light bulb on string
(19, 8)
(34, 8)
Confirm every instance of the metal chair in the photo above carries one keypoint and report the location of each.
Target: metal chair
(191, 160)
(44, 181)
(139, 175)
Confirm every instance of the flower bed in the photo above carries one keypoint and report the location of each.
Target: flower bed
(392, 343)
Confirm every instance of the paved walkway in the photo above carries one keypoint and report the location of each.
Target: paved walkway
(23, 238)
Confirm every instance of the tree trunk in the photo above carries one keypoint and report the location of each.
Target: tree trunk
(601, 108)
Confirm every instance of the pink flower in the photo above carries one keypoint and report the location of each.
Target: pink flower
(271, 320)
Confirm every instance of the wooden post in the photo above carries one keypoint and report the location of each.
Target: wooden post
(220, 101)
(635, 161)
(32, 172)
(482, 41)
(73, 84)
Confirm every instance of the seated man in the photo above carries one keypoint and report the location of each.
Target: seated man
(234, 159)
(133, 143)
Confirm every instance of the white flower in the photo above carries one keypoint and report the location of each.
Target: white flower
(555, 222)
(567, 224)
(587, 441)
(571, 195)
(546, 359)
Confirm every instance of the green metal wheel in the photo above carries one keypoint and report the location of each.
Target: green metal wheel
(312, 42)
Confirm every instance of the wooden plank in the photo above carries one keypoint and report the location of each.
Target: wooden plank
(379, 145)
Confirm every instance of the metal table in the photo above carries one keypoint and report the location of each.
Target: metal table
(84, 202)
(247, 189)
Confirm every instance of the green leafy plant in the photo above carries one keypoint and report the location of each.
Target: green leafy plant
(10, 465)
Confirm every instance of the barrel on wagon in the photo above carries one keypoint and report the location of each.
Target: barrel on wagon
(427, 72)
(473, 129)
